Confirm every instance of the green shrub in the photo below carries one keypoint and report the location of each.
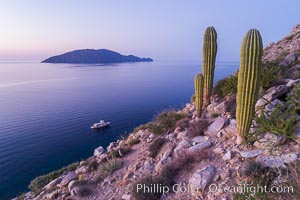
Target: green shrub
(38, 183)
(281, 121)
(193, 98)
(155, 146)
(115, 152)
(226, 86)
(168, 119)
(107, 168)
(133, 141)
(163, 122)
(214, 115)
(92, 165)
(271, 75)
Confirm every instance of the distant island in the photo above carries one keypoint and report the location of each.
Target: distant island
(93, 56)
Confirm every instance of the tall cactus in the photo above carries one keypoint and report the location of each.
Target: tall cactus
(248, 81)
(208, 61)
(198, 84)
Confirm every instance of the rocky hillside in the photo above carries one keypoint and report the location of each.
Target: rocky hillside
(181, 156)
(288, 46)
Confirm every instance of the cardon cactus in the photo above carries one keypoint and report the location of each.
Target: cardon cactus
(198, 84)
(248, 80)
(208, 61)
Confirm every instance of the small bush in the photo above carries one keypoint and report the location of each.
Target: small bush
(164, 121)
(193, 98)
(168, 119)
(294, 181)
(132, 141)
(214, 115)
(92, 165)
(197, 128)
(155, 146)
(115, 153)
(107, 168)
(271, 75)
(230, 105)
(282, 120)
(183, 162)
(226, 86)
(38, 183)
(254, 168)
(183, 123)
(84, 191)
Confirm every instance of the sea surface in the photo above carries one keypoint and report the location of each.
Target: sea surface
(46, 110)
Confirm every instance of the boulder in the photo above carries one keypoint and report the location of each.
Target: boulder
(181, 147)
(216, 125)
(251, 154)
(269, 140)
(290, 157)
(165, 150)
(182, 135)
(199, 139)
(289, 59)
(292, 83)
(111, 146)
(218, 150)
(53, 183)
(269, 108)
(162, 163)
(202, 178)
(272, 94)
(210, 107)
(98, 151)
(294, 72)
(143, 134)
(67, 178)
(148, 166)
(81, 170)
(227, 156)
(277, 161)
(220, 108)
(71, 185)
(231, 130)
(127, 197)
(199, 147)
(271, 161)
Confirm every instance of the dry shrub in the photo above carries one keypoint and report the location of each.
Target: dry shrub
(155, 146)
(183, 123)
(230, 105)
(197, 128)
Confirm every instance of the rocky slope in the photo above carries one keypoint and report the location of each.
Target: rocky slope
(185, 157)
(289, 45)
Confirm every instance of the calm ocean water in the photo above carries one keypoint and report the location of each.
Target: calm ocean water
(46, 110)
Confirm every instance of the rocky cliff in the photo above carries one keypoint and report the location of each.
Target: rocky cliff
(181, 156)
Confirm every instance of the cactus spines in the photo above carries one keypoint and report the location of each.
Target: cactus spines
(198, 84)
(208, 61)
(248, 80)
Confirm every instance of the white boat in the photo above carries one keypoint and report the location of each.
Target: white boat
(100, 124)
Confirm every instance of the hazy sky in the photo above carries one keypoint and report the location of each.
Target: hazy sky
(160, 29)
